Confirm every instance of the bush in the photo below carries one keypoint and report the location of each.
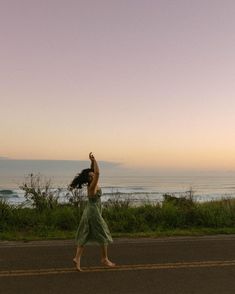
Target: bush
(26, 219)
(183, 202)
(64, 218)
(150, 216)
(217, 213)
(122, 218)
(39, 192)
(5, 214)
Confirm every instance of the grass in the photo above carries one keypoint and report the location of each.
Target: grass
(174, 217)
(33, 236)
(177, 232)
(27, 236)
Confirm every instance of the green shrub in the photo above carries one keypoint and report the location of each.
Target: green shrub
(217, 213)
(64, 218)
(26, 218)
(150, 216)
(39, 192)
(122, 218)
(5, 214)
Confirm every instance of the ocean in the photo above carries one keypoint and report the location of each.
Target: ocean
(116, 181)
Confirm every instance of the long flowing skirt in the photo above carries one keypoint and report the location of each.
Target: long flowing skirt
(92, 228)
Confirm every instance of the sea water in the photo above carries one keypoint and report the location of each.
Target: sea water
(115, 181)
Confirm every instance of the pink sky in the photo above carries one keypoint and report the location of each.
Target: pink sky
(145, 83)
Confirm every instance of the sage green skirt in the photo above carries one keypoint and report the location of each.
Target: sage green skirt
(92, 228)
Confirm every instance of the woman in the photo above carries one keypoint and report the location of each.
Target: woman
(92, 228)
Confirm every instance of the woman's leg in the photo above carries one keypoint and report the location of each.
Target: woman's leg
(104, 256)
(77, 257)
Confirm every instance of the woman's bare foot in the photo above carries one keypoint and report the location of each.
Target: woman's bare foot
(75, 260)
(77, 264)
(107, 262)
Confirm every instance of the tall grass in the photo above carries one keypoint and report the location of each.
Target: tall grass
(172, 214)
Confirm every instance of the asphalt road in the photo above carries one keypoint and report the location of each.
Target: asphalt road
(166, 265)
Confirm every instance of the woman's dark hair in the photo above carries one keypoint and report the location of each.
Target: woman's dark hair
(81, 179)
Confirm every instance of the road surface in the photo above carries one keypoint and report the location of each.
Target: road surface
(174, 265)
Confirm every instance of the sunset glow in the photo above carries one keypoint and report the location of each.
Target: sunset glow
(144, 83)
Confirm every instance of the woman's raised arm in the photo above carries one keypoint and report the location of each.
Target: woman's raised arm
(95, 167)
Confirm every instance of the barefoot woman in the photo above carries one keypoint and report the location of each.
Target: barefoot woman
(92, 228)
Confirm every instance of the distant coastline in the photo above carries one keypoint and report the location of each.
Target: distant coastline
(135, 184)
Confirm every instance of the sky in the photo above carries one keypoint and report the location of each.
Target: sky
(147, 84)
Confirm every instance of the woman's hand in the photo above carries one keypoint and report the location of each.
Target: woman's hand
(91, 156)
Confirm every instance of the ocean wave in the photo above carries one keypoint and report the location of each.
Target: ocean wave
(8, 194)
(16, 196)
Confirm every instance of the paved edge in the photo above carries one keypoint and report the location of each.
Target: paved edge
(119, 241)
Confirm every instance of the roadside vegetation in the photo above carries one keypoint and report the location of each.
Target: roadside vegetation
(46, 218)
